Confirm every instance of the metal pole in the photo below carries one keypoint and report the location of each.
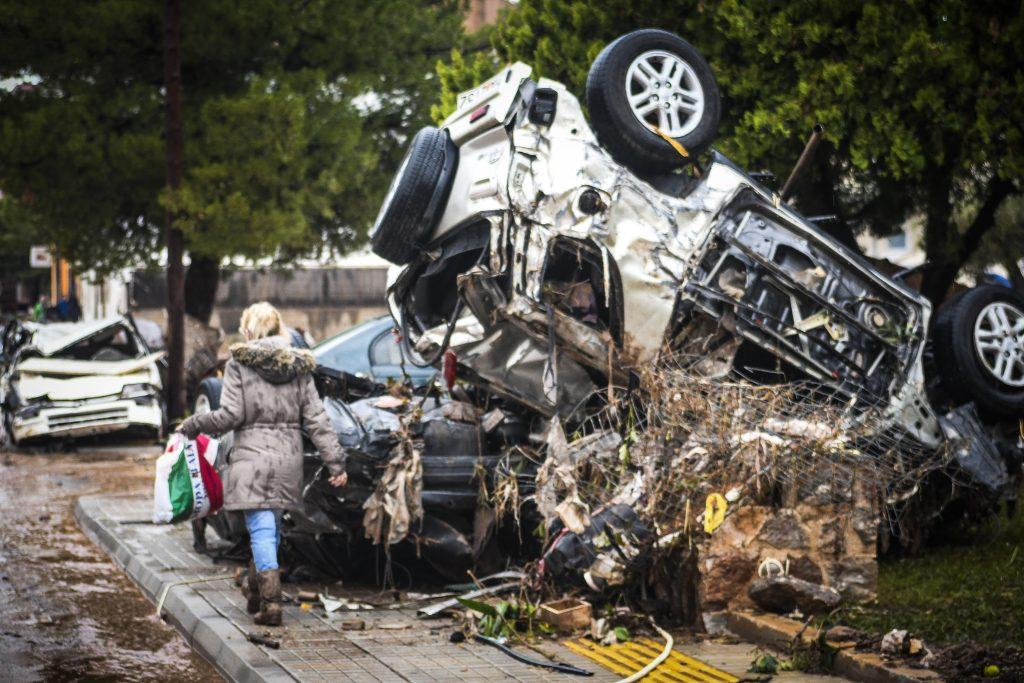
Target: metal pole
(805, 159)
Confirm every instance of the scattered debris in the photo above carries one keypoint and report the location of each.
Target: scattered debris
(393, 625)
(567, 614)
(397, 501)
(265, 639)
(353, 625)
(764, 663)
(783, 594)
(334, 604)
(445, 605)
(896, 642)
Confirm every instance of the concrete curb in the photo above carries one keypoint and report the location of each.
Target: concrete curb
(778, 632)
(208, 632)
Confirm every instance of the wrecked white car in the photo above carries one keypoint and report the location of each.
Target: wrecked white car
(545, 256)
(69, 380)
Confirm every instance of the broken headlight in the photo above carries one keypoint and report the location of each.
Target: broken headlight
(31, 411)
(142, 394)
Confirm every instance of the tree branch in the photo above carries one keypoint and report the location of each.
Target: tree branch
(941, 273)
(985, 218)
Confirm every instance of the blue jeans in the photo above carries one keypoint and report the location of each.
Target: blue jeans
(264, 536)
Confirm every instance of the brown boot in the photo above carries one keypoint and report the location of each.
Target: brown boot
(251, 590)
(270, 598)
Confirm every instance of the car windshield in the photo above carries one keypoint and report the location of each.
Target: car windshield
(349, 350)
(108, 340)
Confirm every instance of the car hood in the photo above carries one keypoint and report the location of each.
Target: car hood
(79, 368)
(64, 380)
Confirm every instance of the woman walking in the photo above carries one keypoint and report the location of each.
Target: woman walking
(268, 397)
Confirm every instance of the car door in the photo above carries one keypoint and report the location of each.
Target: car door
(386, 361)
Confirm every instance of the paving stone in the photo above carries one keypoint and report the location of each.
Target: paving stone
(211, 616)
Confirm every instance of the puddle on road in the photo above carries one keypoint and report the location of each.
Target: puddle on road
(67, 613)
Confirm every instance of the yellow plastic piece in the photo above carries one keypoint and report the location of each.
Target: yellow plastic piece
(714, 513)
(628, 658)
(672, 141)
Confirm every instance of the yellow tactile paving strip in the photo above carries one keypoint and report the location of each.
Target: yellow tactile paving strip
(628, 658)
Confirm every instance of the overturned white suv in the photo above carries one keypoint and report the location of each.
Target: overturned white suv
(550, 255)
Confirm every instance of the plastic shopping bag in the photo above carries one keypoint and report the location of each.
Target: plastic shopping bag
(186, 486)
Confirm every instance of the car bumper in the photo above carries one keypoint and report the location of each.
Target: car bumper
(88, 420)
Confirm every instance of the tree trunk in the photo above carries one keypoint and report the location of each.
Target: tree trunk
(173, 237)
(1016, 276)
(201, 282)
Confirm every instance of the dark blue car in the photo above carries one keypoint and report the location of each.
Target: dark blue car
(369, 350)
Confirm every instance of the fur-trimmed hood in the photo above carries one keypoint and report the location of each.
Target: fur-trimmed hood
(274, 359)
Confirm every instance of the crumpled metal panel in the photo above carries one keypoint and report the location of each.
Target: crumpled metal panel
(973, 450)
(512, 364)
(531, 179)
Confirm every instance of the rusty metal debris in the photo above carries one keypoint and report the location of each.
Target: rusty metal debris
(453, 603)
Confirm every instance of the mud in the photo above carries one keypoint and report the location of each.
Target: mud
(67, 612)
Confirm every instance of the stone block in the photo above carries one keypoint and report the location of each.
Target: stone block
(783, 530)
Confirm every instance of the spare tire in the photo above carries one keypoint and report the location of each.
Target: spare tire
(417, 197)
(652, 78)
(978, 345)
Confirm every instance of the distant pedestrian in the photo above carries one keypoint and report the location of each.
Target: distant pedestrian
(268, 398)
(40, 309)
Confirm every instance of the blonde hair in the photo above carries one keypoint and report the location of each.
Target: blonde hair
(261, 320)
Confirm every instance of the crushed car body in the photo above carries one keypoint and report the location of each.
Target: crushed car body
(552, 267)
(68, 380)
(631, 343)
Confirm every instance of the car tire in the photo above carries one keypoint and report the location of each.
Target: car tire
(976, 357)
(624, 70)
(417, 197)
(208, 396)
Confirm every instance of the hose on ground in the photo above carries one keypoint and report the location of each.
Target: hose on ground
(654, 663)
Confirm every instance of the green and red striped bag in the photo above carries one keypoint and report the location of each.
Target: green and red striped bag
(186, 486)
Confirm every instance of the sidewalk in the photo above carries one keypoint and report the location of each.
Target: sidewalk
(395, 645)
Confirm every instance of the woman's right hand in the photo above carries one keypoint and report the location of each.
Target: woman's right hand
(338, 480)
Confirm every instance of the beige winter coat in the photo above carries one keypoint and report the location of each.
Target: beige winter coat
(268, 396)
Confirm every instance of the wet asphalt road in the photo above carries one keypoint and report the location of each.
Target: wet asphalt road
(67, 613)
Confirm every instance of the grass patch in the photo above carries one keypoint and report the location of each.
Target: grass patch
(955, 593)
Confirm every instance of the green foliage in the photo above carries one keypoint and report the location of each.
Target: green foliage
(461, 74)
(504, 619)
(973, 591)
(18, 230)
(922, 101)
(764, 663)
(295, 115)
(1001, 244)
(484, 608)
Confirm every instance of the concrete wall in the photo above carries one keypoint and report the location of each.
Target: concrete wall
(322, 301)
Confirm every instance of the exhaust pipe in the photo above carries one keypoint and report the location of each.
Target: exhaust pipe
(804, 161)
